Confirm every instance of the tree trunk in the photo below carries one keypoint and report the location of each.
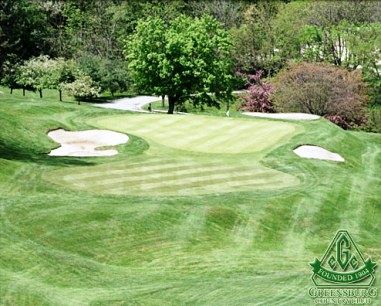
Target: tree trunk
(171, 104)
(11, 90)
(40, 91)
(60, 91)
(163, 101)
(23, 92)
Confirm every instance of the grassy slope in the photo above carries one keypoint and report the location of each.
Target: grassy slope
(63, 246)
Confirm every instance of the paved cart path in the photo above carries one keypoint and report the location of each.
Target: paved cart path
(134, 104)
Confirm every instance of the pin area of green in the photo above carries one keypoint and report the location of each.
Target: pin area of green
(200, 210)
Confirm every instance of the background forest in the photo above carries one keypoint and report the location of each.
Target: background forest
(78, 45)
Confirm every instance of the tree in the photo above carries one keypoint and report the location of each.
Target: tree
(324, 90)
(62, 72)
(10, 73)
(82, 89)
(24, 30)
(287, 26)
(184, 59)
(254, 40)
(326, 13)
(107, 74)
(315, 30)
(228, 12)
(35, 74)
(43, 72)
(164, 9)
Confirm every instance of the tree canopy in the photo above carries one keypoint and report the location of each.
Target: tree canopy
(184, 59)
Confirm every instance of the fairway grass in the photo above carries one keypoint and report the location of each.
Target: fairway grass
(188, 222)
(182, 177)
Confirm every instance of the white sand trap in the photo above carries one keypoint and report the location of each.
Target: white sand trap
(84, 143)
(288, 116)
(317, 153)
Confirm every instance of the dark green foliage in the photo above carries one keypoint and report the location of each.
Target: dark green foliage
(107, 74)
(24, 31)
(9, 72)
(254, 39)
(186, 58)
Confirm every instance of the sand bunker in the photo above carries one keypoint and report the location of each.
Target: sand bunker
(84, 143)
(288, 116)
(318, 153)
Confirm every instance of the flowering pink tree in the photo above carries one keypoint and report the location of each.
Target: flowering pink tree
(258, 99)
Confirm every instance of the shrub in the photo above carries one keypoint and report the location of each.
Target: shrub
(324, 90)
(258, 99)
(82, 89)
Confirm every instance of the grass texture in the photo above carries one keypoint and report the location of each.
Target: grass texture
(194, 210)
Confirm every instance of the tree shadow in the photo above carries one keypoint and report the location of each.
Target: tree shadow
(15, 154)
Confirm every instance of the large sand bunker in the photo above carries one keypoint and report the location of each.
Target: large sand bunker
(288, 116)
(84, 143)
(317, 153)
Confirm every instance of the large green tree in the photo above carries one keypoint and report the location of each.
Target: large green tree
(184, 59)
(254, 40)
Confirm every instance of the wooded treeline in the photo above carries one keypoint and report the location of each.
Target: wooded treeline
(88, 36)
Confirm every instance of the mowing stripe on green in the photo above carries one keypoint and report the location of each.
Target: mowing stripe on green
(187, 174)
(203, 134)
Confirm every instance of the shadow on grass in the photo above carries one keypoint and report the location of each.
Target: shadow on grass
(14, 154)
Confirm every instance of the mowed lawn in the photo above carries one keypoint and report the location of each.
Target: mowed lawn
(194, 210)
(172, 166)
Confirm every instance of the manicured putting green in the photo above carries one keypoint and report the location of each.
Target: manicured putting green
(168, 171)
(203, 134)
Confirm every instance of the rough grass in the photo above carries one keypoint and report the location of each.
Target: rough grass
(64, 244)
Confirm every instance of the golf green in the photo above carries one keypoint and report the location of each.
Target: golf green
(203, 134)
(186, 173)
